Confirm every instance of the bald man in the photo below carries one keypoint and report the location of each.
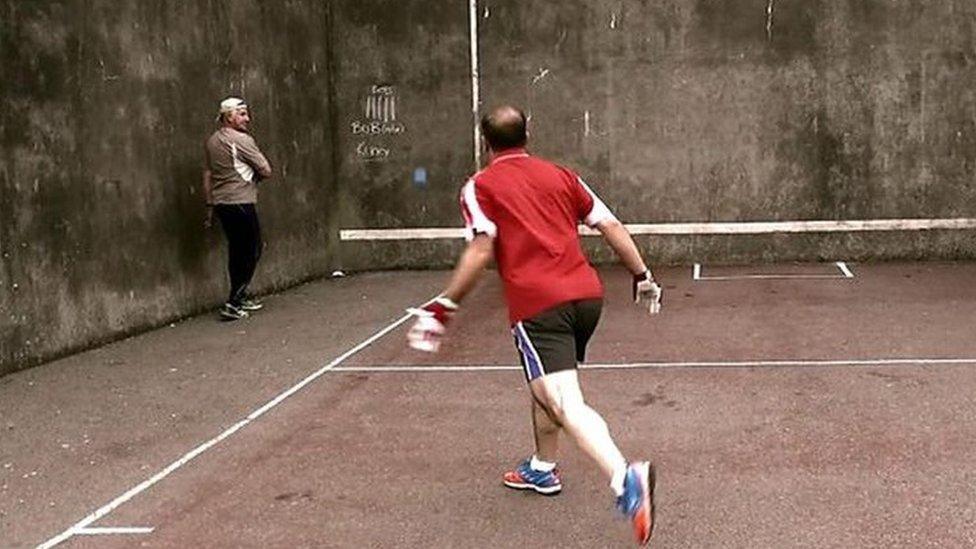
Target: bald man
(524, 211)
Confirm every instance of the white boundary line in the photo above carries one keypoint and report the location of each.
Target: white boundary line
(82, 525)
(666, 365)
(457, 368)
(94, 531)
(475, 83)
(845, 272)
(744, 227)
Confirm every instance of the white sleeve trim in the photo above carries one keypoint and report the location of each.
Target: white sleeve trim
(243, 169)
(599, 212)
(478, 222)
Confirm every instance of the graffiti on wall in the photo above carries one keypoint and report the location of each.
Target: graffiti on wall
(378, 125)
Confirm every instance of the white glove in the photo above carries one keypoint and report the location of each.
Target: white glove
(647, 290)
(432, 319)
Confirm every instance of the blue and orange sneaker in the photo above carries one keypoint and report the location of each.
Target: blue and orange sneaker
(637, 501)
(524, 477)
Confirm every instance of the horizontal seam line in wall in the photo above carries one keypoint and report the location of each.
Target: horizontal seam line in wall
(715, 228)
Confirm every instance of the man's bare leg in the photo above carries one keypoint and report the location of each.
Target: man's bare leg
(546, 433)
(539, 472)
(562, 398)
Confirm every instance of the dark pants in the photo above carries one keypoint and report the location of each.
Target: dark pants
(555, 339)
(240, 223)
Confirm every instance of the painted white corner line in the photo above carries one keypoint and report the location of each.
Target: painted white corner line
(844, 269)
(475, 79)
(189, 456)
(771, 277)
(845, 273)
(114, 530)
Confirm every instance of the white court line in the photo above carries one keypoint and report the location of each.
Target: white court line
(719, 228)
(114, 530)
(680, 364)
(82, 525)
(844, 270)
(458, 368)
(767, 277)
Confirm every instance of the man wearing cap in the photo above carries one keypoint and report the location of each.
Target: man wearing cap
(233, 165)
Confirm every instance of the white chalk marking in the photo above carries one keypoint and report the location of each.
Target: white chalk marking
(115, 503)
(475, 85)
(697, 274)
(586, 123)
(115, 530)
(767, 277)
(541, 74)
(730, 228)
(679, 364)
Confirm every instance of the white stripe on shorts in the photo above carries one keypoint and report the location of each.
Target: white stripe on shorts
(532, 358)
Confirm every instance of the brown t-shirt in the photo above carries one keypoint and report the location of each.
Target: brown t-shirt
(234, 160)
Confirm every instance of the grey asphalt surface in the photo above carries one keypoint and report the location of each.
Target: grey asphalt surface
(808, 455)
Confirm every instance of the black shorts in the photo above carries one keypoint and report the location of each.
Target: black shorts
(555, 339)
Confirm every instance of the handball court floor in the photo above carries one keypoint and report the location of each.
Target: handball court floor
(782, 412)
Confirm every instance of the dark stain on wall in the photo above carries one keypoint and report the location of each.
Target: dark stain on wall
(731, 26)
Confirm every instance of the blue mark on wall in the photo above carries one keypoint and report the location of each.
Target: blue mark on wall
(420, 177)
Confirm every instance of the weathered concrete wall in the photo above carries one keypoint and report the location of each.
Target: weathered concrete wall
(674, 110)
(403, 105)
(745, 110)
(103, 111)
(749, 109)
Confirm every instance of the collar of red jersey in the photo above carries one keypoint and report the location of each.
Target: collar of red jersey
(509, 154)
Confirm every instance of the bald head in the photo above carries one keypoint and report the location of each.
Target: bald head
(504, 128)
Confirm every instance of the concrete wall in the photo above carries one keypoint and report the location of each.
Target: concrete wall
(745, 110)
(104, 107)
(402, 168)
(673, 110)
(749, 109)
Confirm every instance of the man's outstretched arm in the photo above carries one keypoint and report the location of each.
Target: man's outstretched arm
(432, 318)
(472, 263)
(619, 239)
(644, 287)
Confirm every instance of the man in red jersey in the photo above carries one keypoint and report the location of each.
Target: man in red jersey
(524, 211)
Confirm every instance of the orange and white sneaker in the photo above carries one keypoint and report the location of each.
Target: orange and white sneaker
(637, 501)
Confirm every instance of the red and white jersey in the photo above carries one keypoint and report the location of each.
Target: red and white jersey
(531, 208)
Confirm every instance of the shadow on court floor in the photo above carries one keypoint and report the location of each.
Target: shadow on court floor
(783, 412)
